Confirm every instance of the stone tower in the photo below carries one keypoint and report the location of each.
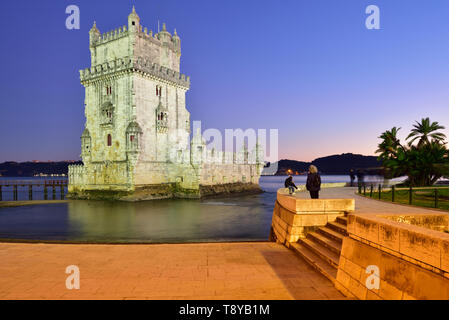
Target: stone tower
(136, 144)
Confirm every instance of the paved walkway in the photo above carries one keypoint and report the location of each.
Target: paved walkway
(367, 205)
(179, 271)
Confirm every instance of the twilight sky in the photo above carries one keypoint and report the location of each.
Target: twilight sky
(308, 68)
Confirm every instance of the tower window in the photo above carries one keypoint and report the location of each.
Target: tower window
(158, 91)
(133, 23)
(133, 133)
(109, 140)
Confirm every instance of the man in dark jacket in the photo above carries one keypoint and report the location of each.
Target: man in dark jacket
(290, 185)
(313, 184)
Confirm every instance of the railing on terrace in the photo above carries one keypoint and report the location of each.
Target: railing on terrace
(32, 189)
(434, 197)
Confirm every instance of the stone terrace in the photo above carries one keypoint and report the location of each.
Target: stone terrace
(261, 270)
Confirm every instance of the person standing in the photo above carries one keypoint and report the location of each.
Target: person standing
(360, 177)
(352, 176)
(313, 184)
(290, 184)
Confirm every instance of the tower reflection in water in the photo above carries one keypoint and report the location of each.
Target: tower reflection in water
(245, 218)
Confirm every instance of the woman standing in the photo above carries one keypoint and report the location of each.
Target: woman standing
(313, 184)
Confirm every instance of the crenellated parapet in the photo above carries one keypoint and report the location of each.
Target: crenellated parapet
(110, 36)
(159, 39)
(144, 33)
(213, 156)
(140, 64)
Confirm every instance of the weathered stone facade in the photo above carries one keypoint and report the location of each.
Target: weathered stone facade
(136, 142)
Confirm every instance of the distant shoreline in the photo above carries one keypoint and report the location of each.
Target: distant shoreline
(331, 165)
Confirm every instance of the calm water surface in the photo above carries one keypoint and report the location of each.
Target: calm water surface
(245, 218)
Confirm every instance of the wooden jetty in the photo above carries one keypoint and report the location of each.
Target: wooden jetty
(46, 184)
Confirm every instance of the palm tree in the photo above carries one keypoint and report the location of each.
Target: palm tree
(390, 144)
(422, 165)
(424, 130)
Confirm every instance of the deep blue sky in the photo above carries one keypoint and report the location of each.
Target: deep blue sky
(308, 68)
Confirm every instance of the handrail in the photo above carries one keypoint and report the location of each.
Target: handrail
(431, 198)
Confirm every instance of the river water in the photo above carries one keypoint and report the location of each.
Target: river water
(241, 218)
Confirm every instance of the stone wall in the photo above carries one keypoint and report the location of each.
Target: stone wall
(413, 260)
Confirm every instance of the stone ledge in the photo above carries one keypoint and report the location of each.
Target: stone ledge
(313, 206)
(419, 244)
(399, 279)
(294, 218)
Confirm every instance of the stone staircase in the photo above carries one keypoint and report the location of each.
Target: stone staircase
(322, 248)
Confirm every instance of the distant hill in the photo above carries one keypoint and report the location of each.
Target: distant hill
(29, 169)
(335, 164)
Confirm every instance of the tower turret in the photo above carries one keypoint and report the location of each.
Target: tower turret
(164, 35)
(133, 21)
(176, 41)
(94, 34)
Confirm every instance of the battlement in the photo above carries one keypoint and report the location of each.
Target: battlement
(148, 35)
(110, 36)
(228, 157)
(129, 64)
(143, 33)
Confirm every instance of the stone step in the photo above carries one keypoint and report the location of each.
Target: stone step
(329, 243)
(338, 227)
(315, 261)
(329, 233)
(343, 220)
(325, 254)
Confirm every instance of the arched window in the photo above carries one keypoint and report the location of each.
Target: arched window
(133, 133)
(107, 113)
(158, 91)
(109, 140)
(162, 118)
